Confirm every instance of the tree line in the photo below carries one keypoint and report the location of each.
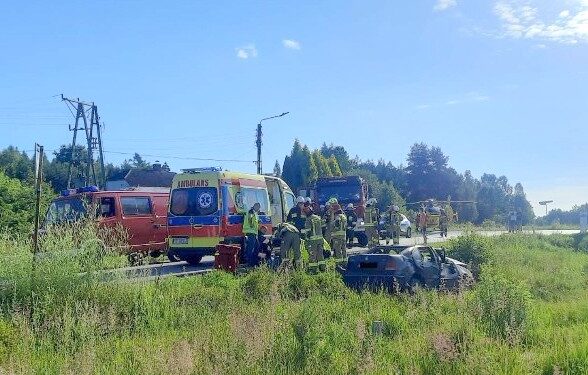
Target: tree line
(427, 174)
(17, 197)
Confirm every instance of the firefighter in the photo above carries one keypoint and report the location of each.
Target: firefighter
(338, 240)
(251, 230)
(351, 223)
(393, 225)
(328, 219)
(312, 232)
(370, 222)
(296, 215)
(443, 223)
(290, 241)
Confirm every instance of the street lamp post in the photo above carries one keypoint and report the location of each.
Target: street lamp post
(258, 142)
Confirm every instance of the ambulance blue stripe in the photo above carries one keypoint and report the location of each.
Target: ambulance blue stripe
(211, 220)
(193, 220)
(238, 219)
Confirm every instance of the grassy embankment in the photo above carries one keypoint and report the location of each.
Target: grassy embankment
(527, 314)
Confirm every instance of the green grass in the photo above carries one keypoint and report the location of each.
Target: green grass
(527, 314)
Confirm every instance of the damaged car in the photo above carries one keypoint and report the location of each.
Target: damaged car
(405, 268)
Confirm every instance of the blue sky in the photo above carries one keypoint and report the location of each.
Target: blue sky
(500, 86)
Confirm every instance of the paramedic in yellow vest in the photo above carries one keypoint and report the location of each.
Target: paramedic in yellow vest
(370, 222)
(314, 241)
(251, 231)
(338, 237)
(290, 243)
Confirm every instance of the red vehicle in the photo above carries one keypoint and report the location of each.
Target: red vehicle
(142, 212)
(347, 189)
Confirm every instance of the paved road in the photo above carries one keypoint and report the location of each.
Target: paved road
(154, 271)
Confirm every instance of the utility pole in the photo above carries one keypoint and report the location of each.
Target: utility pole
(38, 180)
(258, 141)
(93, 140)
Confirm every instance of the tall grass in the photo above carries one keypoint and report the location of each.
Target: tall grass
(527, 314)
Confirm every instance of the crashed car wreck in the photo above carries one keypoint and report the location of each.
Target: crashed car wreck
(405, 268)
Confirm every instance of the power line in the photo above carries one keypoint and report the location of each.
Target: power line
(180, 157)
(166, 156)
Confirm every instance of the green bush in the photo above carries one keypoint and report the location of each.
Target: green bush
(581, 242)
(502, 306)
(473, 249)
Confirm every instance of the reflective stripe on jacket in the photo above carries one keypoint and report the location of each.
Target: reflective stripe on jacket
(340, 224)
(251, 223)
(314, 230)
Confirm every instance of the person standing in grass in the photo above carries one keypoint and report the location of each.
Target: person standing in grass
(251, 230)
(314, 241)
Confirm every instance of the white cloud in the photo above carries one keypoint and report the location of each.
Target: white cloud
(470, 97)
(246, 52)
(291, 44)
(521, 21)
(442, 5)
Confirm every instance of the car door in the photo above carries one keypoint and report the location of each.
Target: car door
(106, 210)
(429, 266)
(159, 222)
(137, 219)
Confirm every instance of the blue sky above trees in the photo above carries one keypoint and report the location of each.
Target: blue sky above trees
(499, 86)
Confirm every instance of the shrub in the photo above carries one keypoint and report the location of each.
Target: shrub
(473, 249)
(502, 306)
(581, 242)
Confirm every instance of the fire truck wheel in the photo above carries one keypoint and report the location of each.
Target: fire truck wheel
(172, 256)
(193, 260)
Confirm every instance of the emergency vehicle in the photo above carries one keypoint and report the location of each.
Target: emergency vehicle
(347, 189)
(141, 211)
(207, 206)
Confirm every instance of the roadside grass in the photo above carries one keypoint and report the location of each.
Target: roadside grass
(527, 314)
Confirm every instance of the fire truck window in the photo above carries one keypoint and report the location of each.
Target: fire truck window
(136, 205)
(107, 207)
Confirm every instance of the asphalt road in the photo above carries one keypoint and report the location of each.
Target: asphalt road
(181, 269)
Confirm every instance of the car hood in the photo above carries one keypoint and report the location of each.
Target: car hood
(457, 262)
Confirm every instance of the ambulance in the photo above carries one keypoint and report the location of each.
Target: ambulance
(207, 206)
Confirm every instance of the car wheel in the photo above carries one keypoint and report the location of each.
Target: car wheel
(408, 232)
(362, 239)
(155, 254)
(193, 260)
